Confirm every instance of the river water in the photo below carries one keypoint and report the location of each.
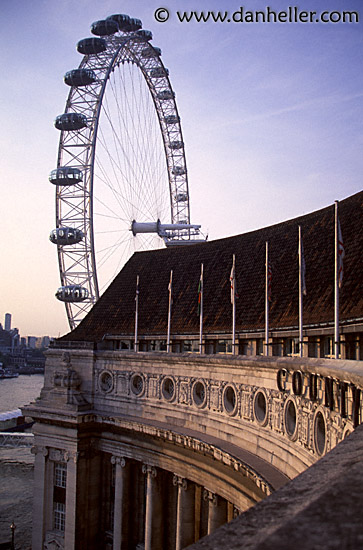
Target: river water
(16, 392)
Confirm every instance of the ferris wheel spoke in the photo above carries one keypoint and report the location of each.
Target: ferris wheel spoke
(142, 144)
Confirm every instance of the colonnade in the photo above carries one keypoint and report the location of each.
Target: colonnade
(173, 513)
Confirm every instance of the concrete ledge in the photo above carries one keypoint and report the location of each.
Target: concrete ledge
(321, 508)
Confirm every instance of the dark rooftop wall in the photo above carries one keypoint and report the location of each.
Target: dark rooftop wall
(114, 312)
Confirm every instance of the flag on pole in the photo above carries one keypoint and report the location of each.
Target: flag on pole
(200, 308)
(341, 255)
(233, 281)
(137, 288)
(170, 285)
(169, 311)
(136, 343)
(200, 291)
(303, 268)
(269, 280)
(232, 278)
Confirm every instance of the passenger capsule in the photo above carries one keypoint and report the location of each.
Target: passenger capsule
(159, 72)
(144, 34)
(66, 236)
(150, 52)
(175, 145)
(165, 94)
(178, 171)
(80, 77)
(89, 46)
(104, 27)
(122, 20)
(133, 25)
(171, 119)
(72, 293)
(70, 121)
(65, 175)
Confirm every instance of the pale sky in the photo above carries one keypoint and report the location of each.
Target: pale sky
(271, 117)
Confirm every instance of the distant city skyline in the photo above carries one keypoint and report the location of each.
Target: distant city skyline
(28, 337)
(271, 118)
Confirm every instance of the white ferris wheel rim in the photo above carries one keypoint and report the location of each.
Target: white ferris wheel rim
(78, 206)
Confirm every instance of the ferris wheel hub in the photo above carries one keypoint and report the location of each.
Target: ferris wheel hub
(170, 232)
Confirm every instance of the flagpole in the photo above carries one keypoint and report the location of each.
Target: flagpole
(136, 343)
(267, 303)
(169, 311)
(201, 282)
(336, 286)
(233, 299)
(300, 296)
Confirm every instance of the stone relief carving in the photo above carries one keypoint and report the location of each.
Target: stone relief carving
(70, 381)
(214, 396)
(184, 392)
(58, 455)
(153, 387)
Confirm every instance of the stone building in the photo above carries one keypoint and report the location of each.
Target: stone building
(155, 450)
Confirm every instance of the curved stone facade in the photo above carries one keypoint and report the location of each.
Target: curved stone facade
(160, 449)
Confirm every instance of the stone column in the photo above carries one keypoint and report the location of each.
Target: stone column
(305, 346)
(198, 512)
(153, 512)
(71, 501)
(217, 510)
(120, 480)
(357, 348)
(343, 347)
(40, 504)
(185, 512)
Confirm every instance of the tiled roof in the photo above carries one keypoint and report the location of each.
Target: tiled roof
(115, 311)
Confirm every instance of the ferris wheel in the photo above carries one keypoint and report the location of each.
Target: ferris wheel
(121, 177)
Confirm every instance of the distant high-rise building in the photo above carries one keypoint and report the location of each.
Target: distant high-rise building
(7, 321)
(32, 342)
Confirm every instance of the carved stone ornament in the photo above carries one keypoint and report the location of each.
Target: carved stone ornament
(210, 496)
(58, 455)
(180, 481)
(53, 542)
(149, 470)
(66, 358)
(118, 460)
(36, 449)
